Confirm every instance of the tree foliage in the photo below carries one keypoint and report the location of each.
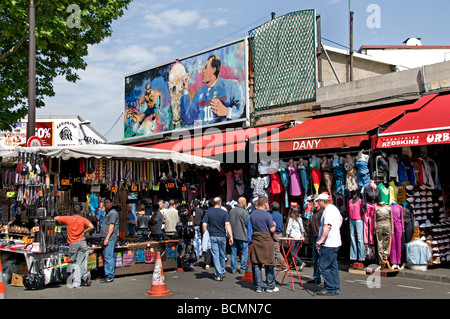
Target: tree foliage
(61, 46)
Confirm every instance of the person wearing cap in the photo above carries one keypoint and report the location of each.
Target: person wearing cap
(77, 227)
(315, 224)
(328, 245)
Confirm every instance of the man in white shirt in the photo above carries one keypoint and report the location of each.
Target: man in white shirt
(328, 245)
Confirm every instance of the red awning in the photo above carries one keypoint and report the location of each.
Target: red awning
(345, 130)
(427, 125)
(231, 140)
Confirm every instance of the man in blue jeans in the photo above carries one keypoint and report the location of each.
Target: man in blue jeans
(262, 252)
(217, 222)
(109, 234)
(239, 222)
(328, 245)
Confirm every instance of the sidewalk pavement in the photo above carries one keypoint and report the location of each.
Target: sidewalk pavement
(439, 273)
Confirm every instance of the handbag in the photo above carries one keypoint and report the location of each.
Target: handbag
(36, 280)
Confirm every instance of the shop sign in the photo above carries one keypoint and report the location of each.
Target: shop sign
(441, 137)
(305, 145)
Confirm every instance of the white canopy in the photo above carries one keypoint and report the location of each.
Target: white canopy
(111, 151)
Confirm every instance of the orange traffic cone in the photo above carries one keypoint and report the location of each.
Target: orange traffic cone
(248, 276)
(158, 283)
(2, 284)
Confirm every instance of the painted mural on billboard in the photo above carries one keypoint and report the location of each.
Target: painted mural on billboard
(206, 89)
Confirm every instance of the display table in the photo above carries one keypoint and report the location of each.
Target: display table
(290, 242)
(128, 261)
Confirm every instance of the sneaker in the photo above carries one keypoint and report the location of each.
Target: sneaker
(207, 267)
(302, 266)
(276, 289)
(258, 291)
(324, 292)
(220, 278)
(87, 282)
(107, 280)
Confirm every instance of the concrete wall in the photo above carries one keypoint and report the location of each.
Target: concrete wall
(399, 87)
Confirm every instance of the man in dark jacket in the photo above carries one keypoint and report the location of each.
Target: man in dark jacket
(239, 222)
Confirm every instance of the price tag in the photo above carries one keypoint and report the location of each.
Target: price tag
(89, 176)
(183, 188)
(170, 185)
(114, 189)
(65, 182)
(133, 188)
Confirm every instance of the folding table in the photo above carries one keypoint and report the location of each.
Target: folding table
(290, 241)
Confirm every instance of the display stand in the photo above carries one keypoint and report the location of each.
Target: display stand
(290, 242)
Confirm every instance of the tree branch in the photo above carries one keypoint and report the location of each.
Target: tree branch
(13, 49)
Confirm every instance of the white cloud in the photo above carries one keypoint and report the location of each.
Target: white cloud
(220, 22)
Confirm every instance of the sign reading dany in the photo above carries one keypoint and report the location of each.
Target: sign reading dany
(206, 89)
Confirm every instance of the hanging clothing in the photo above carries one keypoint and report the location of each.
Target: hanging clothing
(384, 193)
(284, 174)
(396, 239)
(339, 174)
(230, 185)
(275, 184)
(294, 189)
(327, 173)
(408, 218)
(239, 181)
(363, 173)
(369, 219)
(381, 170)
(401, 173)
(316, 173)
(434, 172)
(356, 229)
(352, 177)
(383, 231)
(370, 195)
(304, 177)
(260, 185)
(393, 167)
(393, 191)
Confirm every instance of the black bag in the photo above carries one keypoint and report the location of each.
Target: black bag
(34, 280)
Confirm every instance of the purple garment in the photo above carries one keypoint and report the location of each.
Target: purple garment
(230, 185)
(295, 188)
(396, 237)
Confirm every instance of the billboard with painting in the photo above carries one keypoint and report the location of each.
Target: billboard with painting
(205, 89)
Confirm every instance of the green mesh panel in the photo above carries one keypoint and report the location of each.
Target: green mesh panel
(284, 60)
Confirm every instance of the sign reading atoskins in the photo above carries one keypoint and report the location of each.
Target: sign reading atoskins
(206, 89)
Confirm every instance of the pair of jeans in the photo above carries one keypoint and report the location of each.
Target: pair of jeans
(218, 246)
(270, 276)
(109, 261)
(243, 245)
(78, 255)
(357, 240)
(316, 274)
(295, 250)
(329, 268)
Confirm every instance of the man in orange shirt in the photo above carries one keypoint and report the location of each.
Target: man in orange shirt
(77, 227)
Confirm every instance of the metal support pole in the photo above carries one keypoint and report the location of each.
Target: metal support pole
(31, 125)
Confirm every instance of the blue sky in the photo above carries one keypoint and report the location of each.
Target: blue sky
(151, 33)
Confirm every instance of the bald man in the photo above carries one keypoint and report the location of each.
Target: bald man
(239, 222)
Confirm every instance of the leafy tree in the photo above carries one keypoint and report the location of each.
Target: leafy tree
(64, 29)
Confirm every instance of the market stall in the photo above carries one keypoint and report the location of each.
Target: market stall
(39, 183)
